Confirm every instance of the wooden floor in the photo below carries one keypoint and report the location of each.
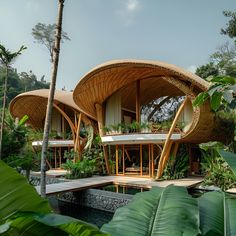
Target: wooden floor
(81, 184)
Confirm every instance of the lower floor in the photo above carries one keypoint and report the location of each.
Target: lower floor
(143, 159)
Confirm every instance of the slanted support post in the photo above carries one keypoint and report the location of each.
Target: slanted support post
(77, 140)
(167, 145)
(72, 126)
(99, 111)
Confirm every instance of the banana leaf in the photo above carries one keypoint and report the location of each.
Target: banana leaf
(28, 223)
(17, 195)
(24, 212)
(230, 214)
(211, 210)
(160, 211)
(230, 158)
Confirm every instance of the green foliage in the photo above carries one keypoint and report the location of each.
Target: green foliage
(230, 29)
(24, 212)
(7, 57)
(177, 168)
(18, 84)
(230, 158)
(14, 137)
(45, 34)
(220, 92)
(17, 195)
(81, 169)
(218, 172)
(223, 61)
(171, 211)
(160, 211)
(207, 70)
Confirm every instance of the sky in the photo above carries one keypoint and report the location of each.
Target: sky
(180, 32)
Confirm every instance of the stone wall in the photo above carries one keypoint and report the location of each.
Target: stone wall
(98, 199)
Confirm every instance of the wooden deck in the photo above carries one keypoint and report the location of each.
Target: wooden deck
(81, 184)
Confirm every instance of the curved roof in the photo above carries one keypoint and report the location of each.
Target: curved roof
(102, 81)
(34, 103)
(157, 79)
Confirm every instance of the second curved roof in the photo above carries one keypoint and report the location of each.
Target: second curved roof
(34, 103)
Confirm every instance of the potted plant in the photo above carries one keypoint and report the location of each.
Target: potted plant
(134, 126)
(106, 130)
(116, 128)
(145, 127)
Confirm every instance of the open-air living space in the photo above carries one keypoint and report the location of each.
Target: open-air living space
(131, 132)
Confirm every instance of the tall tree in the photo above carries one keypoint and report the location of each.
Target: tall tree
(6, 58)
(230, 29)
(45, 34)
(55, 60)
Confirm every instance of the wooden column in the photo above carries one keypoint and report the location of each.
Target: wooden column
(123, 158)
(117, 160)
(168, 142)
(149, 160)
(152, 161)
(77, 139)
(141, 159)
(138, 101)
(99, 111)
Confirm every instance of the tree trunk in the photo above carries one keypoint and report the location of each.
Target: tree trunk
(47, 124)
(3, 111)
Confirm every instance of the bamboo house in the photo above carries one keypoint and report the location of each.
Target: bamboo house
(144, 111)
(67, 122)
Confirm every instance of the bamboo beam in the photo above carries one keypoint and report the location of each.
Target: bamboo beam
(138, 101)
(127, 154)
(164, 157)
(72, 126)
(77, 146)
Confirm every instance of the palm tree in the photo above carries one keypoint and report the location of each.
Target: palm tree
(6, 59)
(56, 51)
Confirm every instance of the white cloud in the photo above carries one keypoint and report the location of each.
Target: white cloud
(132, 5)
(192, 68)
(128, 10)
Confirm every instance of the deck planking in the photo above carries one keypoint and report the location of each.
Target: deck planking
(81, 184)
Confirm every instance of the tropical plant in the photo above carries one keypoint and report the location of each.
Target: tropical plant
(176, 167)
(47, 124)
(24, 212)
(172, 211)
(160, 211)
(6, 59)
(221, 92)
(218, 172)
(81, 169)
(14, 136)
